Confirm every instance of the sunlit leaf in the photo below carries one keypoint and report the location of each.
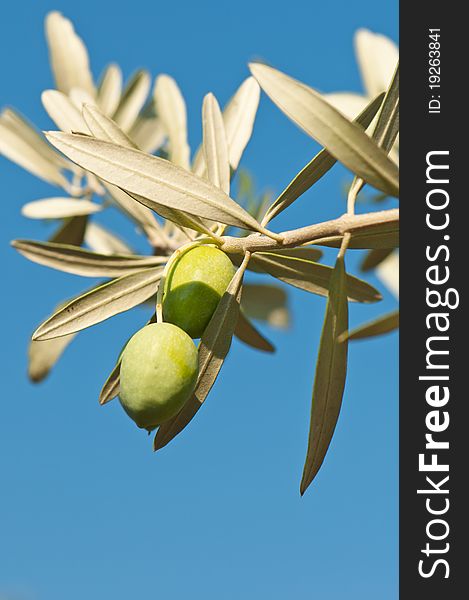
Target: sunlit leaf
(104, 241)
(110, 90)
(329, 383)
(238, 116)
(59, 208)
(343, 139)
(63, 112)
(104, 128)
(215, 144)
(171, 110)
(317, 167)
(34, 138)
(153, 178)
(20, 151)
(68, 55)
(78, 261)
(132, 100)
(213, 348)
(100, 304)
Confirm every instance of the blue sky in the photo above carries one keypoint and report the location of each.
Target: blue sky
(86, 509)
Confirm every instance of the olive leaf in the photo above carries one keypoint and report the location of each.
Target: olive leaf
(104, 128)
(380, 326)
(215, 144)
(148, 131)
(345, 140)
(140, 214)
(171, 109)
(387, 126)
(63, 112)
(100, 304)
(247, 333)
(42, 356)
(239, 115)
(78, 261)
(110, 90)
(213, 348)
(111, 386)
(19, 150)
(68, 55)
(72, 231)
(317, 167)
(104, 241)
(154, 179)
(331, 371)
(132, 99)
(266, 302)
(375, 257)
(312, 277)
(59, 208)
(34, 138)
(384, 133)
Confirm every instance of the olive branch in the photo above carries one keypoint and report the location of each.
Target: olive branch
(118, 148)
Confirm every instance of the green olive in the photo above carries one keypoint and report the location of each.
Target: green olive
(194, 286)
(158, 374)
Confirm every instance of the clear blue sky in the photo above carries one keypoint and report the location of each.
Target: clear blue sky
(87, 510)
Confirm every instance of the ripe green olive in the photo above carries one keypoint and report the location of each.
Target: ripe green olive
(194, 286)
(158, 374)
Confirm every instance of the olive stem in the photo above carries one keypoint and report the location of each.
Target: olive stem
(347, 223)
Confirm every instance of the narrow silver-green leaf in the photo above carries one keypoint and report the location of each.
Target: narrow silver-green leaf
(110, 90)
(63, 112)
(111, 386)
(312, 277)
(215, 144)
(104, 128)
(331, 371)
(153, 178)
(72, 231)
(317, 167)
(68, 55)
(26, 155)
(78, 261)
(239, 115)
(247, 333)
(132, 100)
(42, 356)
(103, 241)
(34, 138)
(267, 303)
(374, 257)
(171, 110)
(345, 140)
(380, 326)
(59, 208)
(101, 303)
(213, 348)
